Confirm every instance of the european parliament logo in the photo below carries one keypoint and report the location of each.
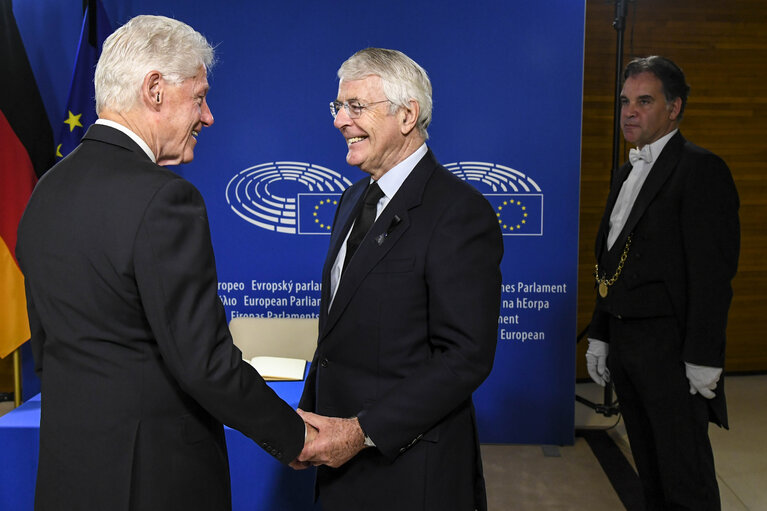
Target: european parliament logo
(302, 198)
(287, 197)
(515, 197)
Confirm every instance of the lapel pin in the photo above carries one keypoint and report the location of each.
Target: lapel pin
(394, 223)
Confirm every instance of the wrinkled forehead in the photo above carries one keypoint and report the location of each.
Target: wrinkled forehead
(365, 88)
(642, 84)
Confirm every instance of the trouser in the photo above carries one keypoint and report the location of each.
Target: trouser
(667, 426)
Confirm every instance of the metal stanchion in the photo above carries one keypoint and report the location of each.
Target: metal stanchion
(17, 378)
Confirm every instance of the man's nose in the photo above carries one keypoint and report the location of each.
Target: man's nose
(207, 115)
(342, 118)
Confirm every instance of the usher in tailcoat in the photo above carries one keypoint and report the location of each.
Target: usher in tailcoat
(410, 335)
(683, 255)
(130, 339)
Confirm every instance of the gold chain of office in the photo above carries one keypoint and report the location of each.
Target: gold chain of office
(604, 282)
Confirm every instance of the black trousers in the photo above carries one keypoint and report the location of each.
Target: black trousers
(667, 426)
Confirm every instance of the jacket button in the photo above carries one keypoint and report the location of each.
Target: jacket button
(324, 362)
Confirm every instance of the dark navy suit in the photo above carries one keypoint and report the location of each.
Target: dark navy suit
(410, 335)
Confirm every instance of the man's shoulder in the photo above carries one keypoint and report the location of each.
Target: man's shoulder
(691, 151)
(448, 182)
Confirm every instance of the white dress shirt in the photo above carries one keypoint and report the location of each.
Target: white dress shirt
(389, 183)
(631, 187)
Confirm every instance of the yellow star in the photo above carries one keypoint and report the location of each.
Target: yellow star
(73, 121)
(58, 151)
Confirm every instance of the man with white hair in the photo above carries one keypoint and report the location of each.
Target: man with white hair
(130, 338)
(409, 311)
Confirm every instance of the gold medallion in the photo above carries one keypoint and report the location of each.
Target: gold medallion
(602, 289)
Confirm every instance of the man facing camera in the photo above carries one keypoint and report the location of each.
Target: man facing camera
(130, 339)
(667, 250)
(409, 311)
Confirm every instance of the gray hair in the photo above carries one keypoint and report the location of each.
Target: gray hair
(402, 79)
(144, 44)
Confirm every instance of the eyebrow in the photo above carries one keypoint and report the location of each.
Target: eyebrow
(349, 100)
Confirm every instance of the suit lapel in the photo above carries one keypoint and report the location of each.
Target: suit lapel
(658, 175)
(348, 207)
(604, 226)
(383, 235)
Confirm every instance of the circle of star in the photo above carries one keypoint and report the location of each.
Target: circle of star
(522, 208)
(316, 211)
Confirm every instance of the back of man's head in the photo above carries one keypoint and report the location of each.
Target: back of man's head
(144, 44)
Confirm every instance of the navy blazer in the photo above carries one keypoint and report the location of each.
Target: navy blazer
(410, 335)
(130, 338)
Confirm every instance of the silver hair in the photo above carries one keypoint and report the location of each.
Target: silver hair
(402, 79)
(144, 44)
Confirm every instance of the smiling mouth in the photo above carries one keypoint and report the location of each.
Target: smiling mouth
(195, 133)
(354, 140)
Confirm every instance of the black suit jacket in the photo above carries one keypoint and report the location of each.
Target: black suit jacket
(137, 364)
(683, 254)
(410, 335)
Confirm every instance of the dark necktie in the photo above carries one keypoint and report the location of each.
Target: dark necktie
(364, 221)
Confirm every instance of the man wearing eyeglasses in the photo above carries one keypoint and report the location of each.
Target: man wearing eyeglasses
(409, 308)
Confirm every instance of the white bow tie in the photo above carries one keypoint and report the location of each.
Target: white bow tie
(644, 154)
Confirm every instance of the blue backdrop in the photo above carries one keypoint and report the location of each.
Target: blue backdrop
(507, 78)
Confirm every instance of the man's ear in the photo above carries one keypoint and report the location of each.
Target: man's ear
(152, 89)
(408, 117)
(674, 108)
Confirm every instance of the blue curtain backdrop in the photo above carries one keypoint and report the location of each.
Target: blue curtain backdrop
(507, 79)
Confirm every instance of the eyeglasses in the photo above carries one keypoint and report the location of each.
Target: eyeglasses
(353, 108)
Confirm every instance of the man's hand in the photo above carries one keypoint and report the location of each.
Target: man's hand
(596, 361)
(311, 434)
(338, 440)
(703, 379)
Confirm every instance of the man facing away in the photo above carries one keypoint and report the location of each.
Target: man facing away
(409, 310)
(667, 250)
(130, 339)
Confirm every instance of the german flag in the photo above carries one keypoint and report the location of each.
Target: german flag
(26, 152)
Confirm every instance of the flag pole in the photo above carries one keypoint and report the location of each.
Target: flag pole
(17, 377)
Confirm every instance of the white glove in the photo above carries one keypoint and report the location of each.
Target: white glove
(703, 379)
(596, 361)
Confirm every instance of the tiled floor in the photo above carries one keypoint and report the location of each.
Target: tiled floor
(569, 478)
(523, 478)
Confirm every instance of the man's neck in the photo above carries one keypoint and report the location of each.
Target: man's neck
(134, 122)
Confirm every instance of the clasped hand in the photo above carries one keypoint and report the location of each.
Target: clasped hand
(330, 441)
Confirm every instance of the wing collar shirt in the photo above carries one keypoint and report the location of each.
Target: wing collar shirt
(116, 125)
(390, 182)
(631, 187)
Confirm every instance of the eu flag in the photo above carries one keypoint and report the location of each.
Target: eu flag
(519, 214)
(81, 109)
(316, 212)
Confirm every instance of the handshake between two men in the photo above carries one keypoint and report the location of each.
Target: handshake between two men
(330, 441)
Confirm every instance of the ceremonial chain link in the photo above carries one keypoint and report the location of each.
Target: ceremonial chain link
(604, 283)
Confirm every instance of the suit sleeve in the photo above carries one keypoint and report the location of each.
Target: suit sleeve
(176, 277)
(711, 239)
(464, 281)
(37, 333)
